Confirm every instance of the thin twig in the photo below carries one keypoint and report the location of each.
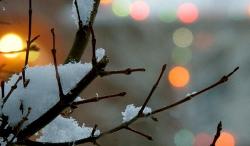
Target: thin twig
(187, 98)
(139, 133)
(93, 45)
(94, 130)
(2, 88)
(13, 87)
(152, 90)
(95, 99)
(53, 50)
(29, 33)
(78, 14)
(127, 71)
(217, 135)
(32, 48)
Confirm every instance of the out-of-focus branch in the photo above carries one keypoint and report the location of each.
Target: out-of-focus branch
(82, 35)
(32, 48)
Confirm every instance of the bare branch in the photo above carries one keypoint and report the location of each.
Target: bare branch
(82, 37)
(152, 90)
(95, 99)
(78, 14)
(221, 81)
(13, 87)
(53, 50)
(217, 135)
(93, 44)
(32, 48)
(140, 133)
(2, 88)
(127, 71)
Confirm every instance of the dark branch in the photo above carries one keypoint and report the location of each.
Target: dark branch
(217, 135)
(95, 99)
(29, 33)
(2, 88)
(127, 71)
(152, 90)
(93, 44)
(187, 98)
(78, 14)
(13, 87)
(139, 133)
(52, 113)
(32, 48)
(53, 50)
(82, 37)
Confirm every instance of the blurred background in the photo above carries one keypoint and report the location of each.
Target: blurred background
(200, 41)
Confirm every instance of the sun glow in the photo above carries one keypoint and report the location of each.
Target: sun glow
(9, 43)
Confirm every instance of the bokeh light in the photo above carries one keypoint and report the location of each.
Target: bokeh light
(11, 42)
(225, 139)
(179, 76)
(248, 10)
(121, 8)
(184, 138)
(183, 37)
(187, 13)
(167, 17)
(181, 56)
(203, 139)
(203, 40)
(139, 10)
(106, 2)
(33, 55)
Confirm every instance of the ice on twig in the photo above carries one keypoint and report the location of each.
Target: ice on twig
(189, 94)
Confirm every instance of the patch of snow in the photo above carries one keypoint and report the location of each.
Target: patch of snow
(65, 130)
(85, 9)
(131, 111)
(42, 91)
(99, 54)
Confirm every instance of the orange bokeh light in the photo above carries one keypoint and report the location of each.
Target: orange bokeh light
(139, 10)
(225, 139)
(179, 76)
(106, 2)
(187, 13)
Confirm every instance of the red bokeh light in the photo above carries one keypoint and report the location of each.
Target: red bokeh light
(203, 139)
(187, 13)
(139, 10)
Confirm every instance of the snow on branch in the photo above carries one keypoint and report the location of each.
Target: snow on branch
(65, 130)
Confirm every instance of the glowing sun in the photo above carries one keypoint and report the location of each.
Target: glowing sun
(9, 43)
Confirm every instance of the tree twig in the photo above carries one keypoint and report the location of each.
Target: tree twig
(152, 90)
(95, 99)
(127, 71)
(53, 50)
(187, 98)
(217, 135)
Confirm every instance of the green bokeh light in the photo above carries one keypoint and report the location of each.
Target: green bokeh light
(167, 17)
(184, 138)
(181, 56)
(121, 8)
